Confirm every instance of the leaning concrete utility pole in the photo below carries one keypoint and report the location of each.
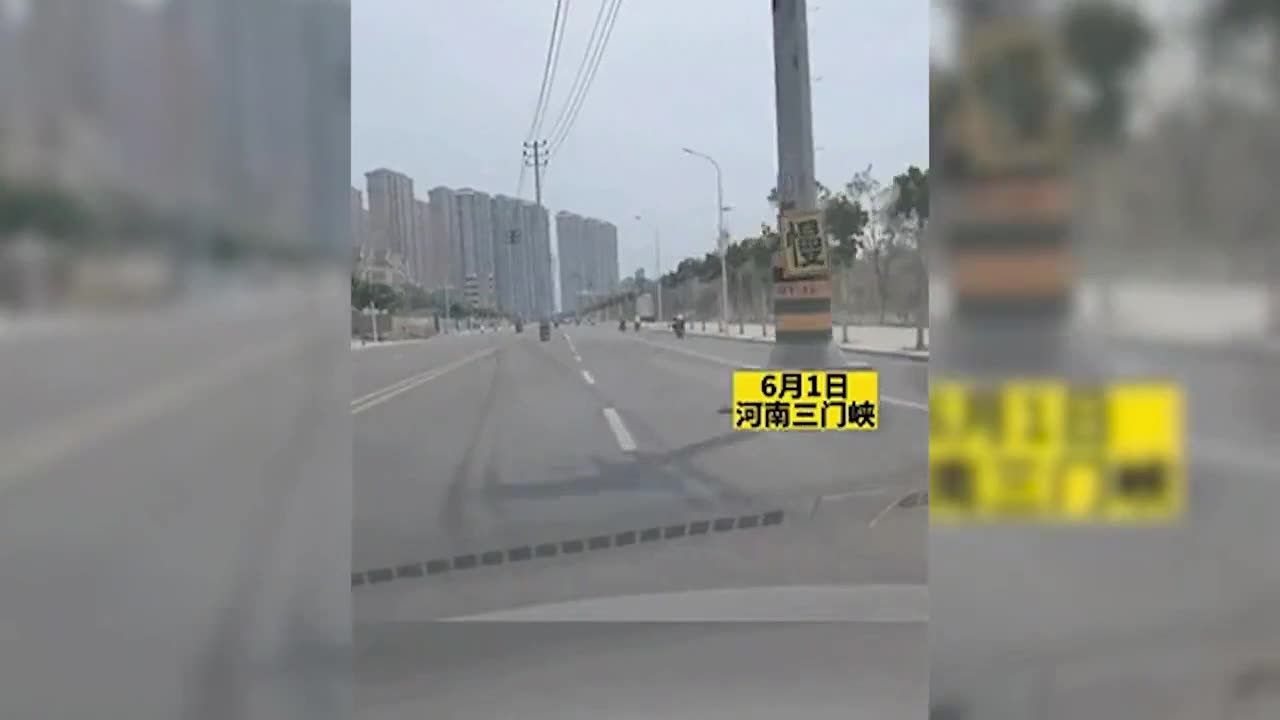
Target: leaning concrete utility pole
(802, 272)
(1005, 200)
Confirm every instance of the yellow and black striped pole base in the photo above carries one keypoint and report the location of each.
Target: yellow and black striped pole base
(802, 309)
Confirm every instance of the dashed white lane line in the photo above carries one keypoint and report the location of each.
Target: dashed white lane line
(587, 376)
(377, 397)
(577, 357)
(620, 432)
(887, 399)
(572, 349)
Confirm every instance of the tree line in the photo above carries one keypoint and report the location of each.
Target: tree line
(864, 218)
(107, 219)
(411, 298)
(1105, 43)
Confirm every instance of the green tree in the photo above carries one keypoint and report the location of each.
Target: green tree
(911, 195)
(764, 247)
(824, 193)
(845, 219)
(380, 295)
(416, 298)
(47, 211)
(1105, 43)
(911, 203)
(881, 247)
(1229, 21)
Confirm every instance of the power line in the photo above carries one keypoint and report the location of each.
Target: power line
(559, 139)
(552, 62)
(587, 52)
(563, 132)
(548, 68)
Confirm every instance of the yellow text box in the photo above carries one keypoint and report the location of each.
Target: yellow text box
(806, 400)
(1043, 451)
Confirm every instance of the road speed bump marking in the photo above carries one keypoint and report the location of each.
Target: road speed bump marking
(1044, 451)
(527, 552)
(806, 400)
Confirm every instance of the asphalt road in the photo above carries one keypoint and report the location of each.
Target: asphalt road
(630, 671)
(173, 512)
(1139, 623)
(503, 441)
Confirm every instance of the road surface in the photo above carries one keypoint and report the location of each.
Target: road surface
(173, 511)
(1156, 623)
(502, 441)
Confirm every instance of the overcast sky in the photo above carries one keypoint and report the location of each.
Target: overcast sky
(444, 91)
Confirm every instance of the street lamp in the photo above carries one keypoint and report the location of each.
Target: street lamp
(657, 261)
(720, 238)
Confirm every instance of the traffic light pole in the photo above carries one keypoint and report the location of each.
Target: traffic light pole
(802, 306)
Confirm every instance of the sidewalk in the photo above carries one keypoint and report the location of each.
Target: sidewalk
(1210, 316)
(887, 341)
(361, 345)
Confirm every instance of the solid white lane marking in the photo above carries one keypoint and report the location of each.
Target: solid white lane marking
(377, 397)
(886, 399)
(587, 376)
(37, 449)
(620, 432)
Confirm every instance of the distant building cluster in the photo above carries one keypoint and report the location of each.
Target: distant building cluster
(588, 259)
(191, 106)
(488, 251)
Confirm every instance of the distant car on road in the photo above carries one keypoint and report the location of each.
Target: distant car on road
(544, 331)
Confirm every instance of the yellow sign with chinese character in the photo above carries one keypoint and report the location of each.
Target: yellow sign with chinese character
(1043, 451)
(804, 245)
(806, 400)
(1012, 113)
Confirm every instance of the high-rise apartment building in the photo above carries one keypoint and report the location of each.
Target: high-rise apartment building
(444, 257)
(588, 250)
(593, 257)
(357, 215)
(422, 241)
(475, 235)
(570, 231)
(511, 255)
(609, 275)
(538, 225)
(392, 216)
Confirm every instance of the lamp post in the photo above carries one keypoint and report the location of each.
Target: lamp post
(657, 261)
(720, 238)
